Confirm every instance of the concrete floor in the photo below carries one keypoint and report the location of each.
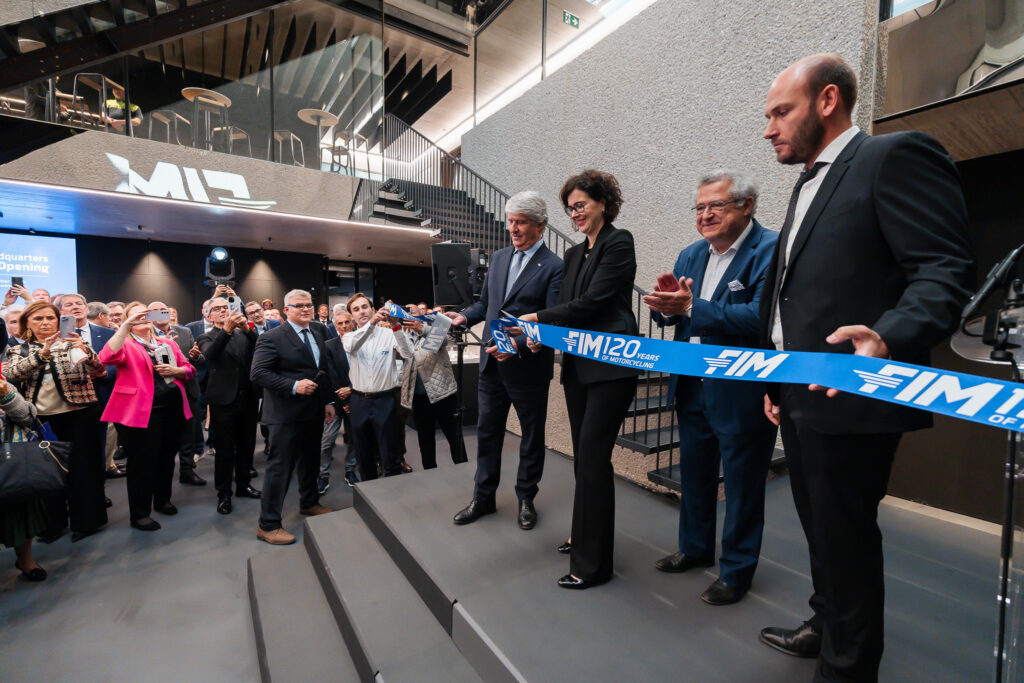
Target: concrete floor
(128, 605)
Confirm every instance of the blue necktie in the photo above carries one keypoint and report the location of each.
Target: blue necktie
(518, 258)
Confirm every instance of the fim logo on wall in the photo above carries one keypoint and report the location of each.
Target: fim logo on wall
(170, 181)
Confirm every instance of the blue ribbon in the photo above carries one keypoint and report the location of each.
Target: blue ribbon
(396, 311)
(955, 394)
(501, 338)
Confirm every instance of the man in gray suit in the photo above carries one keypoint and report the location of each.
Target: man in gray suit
(182, 336)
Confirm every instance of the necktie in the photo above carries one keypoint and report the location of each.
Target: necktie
(514, 270)
(308, 343)
(79, 331)
(787, 225)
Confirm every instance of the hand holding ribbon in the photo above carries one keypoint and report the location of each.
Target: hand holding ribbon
(866, 342)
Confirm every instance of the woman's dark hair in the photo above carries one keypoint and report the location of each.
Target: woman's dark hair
(599, 187)
(29, 311)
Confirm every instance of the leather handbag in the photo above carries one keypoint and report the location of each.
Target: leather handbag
(30, 469)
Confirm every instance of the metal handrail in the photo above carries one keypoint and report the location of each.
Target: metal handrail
(431, 177)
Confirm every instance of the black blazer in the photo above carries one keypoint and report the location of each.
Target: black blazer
(337, 368)
(280, 359)
(597, 294)
(536, 287)
(883, 244)
(230, 359)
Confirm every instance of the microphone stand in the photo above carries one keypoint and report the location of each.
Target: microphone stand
(459, 334)
(1002, 351)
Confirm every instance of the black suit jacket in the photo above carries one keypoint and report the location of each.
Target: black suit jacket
(536, 287)
(280, 359)
(229, 357)
(884, 243)
(597, 294)
(337, 368)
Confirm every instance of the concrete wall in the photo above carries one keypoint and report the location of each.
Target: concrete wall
(19, 10)
(677, 91)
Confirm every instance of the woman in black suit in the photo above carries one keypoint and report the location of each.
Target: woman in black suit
(597, 288)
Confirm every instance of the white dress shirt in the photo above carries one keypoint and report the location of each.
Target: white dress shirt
(86, 334)
(717, 265)
(803, 202)
(375, 357)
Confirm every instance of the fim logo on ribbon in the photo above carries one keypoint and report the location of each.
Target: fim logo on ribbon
(740, 363)
(927, 387)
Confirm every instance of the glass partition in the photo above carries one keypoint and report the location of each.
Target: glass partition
(508, 55)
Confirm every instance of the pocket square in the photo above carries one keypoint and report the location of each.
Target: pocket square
(736, 286)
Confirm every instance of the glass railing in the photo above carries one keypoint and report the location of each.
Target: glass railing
(300, 85)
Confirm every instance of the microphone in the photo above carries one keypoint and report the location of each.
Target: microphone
(999, 275)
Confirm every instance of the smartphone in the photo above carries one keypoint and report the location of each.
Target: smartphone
(234, 305)
(158, 316)
(17, 281)
(67, 326)
(163, 356)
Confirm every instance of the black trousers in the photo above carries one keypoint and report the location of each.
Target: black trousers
(150, 455)
(838, 481)
(494, 398)
(83, 503)
(294, 447)
(187, 451)
(427, 416)
(375, 430)
(234, 439)
(596, 412)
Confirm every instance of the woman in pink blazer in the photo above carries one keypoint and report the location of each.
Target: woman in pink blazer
(149, 407)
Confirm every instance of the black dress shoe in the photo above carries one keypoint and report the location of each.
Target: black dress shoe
(678, 562)
(190, 478)
(34, 574)
(527, 515)
(145, 524)
(109, 503)
(721, 593)
(802, 641)
(572, 583)
(474, 511)
(167, 508)
(248, 492)
(77, 536)
(253, 473)
(566, 547)
(224, 506)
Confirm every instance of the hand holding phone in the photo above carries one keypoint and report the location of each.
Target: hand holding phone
(163, 316)
(67, 326)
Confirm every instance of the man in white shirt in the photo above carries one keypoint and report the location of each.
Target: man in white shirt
(712, 297)
(375, 356)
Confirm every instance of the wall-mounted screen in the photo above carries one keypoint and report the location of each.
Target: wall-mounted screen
(44, 262)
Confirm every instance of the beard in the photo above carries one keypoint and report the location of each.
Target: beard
(806, 140)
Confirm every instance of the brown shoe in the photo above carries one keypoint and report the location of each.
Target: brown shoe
(314, 510)
(275, 537)
(405, 467)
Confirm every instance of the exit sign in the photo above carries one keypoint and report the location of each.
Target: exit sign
(570, 19)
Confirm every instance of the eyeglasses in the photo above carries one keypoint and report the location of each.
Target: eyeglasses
(300, 306)
(578, 207)
(218, 308)
(716, 207)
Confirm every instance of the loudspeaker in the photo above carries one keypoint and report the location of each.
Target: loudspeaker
(451, 267)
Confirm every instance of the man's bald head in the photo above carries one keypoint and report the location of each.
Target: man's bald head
(819, 71)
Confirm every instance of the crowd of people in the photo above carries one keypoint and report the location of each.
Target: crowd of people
(872, 258)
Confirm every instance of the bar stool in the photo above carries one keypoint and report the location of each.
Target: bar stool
(279, 136)
(338, 151)
(230, 134)
(170, 119)
(205, 105)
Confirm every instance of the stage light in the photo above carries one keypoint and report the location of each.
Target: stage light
(219, 255)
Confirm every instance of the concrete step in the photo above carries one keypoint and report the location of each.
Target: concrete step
(297, 638)
(389, 630)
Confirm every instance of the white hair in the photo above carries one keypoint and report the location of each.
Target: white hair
(529, 204)
(296, 293)
(338, 308)
(740, 186)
